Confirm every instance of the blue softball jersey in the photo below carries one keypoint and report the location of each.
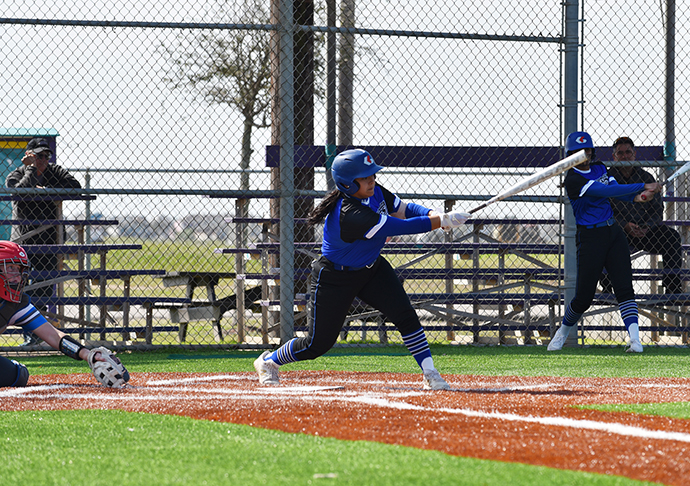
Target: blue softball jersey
(589, 192)
(356, 229)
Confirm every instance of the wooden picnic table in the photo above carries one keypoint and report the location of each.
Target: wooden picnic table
(211, 309)
(193, 280)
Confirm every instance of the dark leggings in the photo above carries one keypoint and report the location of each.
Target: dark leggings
(599, 248)
(332, 294)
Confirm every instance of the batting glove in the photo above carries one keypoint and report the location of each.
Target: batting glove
(454, 219)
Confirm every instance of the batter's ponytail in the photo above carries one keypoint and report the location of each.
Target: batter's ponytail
(319, 213)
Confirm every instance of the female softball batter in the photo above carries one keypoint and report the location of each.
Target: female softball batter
(359, 216)
(601, 242)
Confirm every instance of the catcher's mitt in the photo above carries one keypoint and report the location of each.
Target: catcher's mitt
(111, 372)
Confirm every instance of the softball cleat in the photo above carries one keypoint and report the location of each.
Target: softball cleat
(434, 381)
(635, 347)
(267, 370)
(558, 339)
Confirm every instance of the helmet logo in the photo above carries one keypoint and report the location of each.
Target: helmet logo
(368, 160)
(22, 254)
(581, 139)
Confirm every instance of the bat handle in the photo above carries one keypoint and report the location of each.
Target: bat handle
(474, 210)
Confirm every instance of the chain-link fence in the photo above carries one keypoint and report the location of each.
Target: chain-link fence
(163, 113)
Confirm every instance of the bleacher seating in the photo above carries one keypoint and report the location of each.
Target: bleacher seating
(531, 282)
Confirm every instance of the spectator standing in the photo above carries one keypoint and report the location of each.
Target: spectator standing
(38, 172)
(643, 223)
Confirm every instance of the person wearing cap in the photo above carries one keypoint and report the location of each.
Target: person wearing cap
(37, 172)
(643, 223)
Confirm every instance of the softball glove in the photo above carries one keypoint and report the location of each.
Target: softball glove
(111, 372)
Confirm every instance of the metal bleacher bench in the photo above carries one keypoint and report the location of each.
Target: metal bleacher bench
(43, 224)
(532, 282)
(432, 302)
(85, 327)
(98, 276)
(73, 249)
(50, 277)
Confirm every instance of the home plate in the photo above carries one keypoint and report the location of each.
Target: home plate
(304, 389)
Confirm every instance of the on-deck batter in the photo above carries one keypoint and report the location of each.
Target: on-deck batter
(601, 242)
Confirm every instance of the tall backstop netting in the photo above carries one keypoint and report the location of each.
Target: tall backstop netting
(202, 133)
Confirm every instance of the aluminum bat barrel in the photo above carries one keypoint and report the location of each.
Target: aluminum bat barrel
(537, 178)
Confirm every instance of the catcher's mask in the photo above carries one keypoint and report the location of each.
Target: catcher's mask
(350, 165)
(13, 280)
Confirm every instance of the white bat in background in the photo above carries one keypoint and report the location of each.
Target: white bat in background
(537, 178)
(680, 171)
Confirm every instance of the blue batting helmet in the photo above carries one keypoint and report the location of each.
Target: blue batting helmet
(350, 165)
(578, 141)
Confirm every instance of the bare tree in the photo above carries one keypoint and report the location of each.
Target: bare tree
(230, 67)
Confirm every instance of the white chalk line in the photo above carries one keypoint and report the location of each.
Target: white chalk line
(486, 386)
(264, 392)
(315, 394)
(16, 392)
(502, 386)
(368, 399)
(199, 379)
(482, 387)
(613, 428)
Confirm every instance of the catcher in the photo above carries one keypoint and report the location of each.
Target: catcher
(16, 309)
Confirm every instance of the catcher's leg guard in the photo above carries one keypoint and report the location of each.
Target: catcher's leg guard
(12, 373)
(22, 375)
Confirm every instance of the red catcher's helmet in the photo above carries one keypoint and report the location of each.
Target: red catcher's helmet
(12, 253)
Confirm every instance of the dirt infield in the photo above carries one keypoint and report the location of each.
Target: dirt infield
(518, 419)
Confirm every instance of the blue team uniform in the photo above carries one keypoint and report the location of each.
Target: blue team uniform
(351, 266)
(356, 229)
(589, 192)
(601, 242)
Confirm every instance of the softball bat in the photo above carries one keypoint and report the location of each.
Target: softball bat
(537, 178)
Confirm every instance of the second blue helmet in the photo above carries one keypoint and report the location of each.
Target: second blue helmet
(578, 141)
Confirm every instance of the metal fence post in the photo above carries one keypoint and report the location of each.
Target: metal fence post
(287, 175)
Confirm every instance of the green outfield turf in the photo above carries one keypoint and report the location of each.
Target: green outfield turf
(112, 447)
(494, 361)
(108, 448)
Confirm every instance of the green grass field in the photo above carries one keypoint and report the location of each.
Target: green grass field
(113, 447)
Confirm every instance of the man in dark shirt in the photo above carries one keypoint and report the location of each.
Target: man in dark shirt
(643, 223)
(38, 172)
